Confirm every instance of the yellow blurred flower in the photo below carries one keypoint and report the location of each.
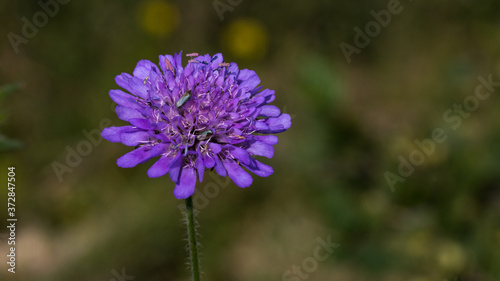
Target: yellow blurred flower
(158, 18)
(451, 256)
(246, 38)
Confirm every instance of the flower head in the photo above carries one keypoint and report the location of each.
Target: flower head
(207, 115)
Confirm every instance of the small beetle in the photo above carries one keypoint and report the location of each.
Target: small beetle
(184, 98)
(203, 136)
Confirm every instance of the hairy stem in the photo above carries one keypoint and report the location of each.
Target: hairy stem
(192, 240)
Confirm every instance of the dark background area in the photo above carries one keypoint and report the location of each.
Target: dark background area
(351, 121)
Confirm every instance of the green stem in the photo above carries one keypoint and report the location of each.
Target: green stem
(193, 242)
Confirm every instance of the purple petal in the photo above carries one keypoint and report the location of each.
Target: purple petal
(269, 111)
(276, 125)
(138, 88)
(260, 149)
(155, 80)
(187, 182)
(248, 79)
(139, 155)
(216, 59)
(141, 123)
(178, 62)
(205, 58)
(259, 169)
(219, 168)
(258, 100)
(135, 138)
(132, 84)
(112, 134)
(239, 154)
(255, 90)
(158, 149)
(122, 98)
(175, 167)
(266, 139)
(123, 81)
(214, 147)
(261, 125)
(143, 68)
(160, 167)
(200, 167)
(127, 113)
(267, 94)
(232, 68)
(282, 122)
(208, 160)
(237, 174)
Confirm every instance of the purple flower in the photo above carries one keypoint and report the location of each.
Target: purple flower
(208, 115)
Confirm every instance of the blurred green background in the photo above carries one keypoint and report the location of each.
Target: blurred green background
(351, 122)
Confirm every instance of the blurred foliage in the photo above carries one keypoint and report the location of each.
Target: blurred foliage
(351, 122)
(7, 144)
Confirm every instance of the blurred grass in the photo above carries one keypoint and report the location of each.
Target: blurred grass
(350, 124)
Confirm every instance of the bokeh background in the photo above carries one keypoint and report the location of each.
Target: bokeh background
(351, 122)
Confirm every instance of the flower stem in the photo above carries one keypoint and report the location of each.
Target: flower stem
(193, 242)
